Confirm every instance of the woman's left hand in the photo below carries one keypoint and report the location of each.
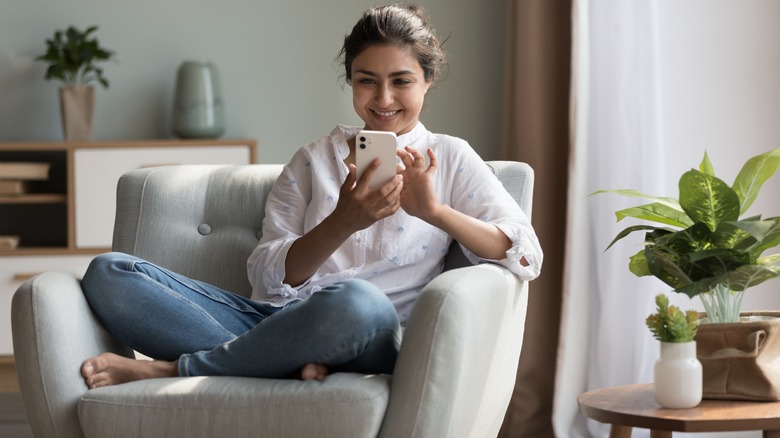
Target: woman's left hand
(418, 197)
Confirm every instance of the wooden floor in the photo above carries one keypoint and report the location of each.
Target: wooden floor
(13, 420)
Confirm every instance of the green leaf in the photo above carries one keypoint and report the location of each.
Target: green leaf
(729, 236)
(73, 54)
(669, 202)
(707, 199)
(706, 166)
(628, 231)
(667, 267)
(753, 175)
(768, 260)
(702, 286)
(766, 233)
(638, 264)
(657, 212)
(751, 275)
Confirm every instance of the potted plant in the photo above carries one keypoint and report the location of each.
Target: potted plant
(73, 58)
(704, 248)
(677, 374)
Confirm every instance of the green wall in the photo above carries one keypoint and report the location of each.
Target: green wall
(276, 59)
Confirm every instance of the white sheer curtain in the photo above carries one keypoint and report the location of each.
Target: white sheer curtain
(616, 144)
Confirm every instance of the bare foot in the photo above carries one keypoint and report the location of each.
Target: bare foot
(314, 371)
(111, 369)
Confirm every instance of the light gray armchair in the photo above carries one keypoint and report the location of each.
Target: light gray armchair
(454, 375)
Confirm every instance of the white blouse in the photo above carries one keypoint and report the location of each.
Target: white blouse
(399, 254)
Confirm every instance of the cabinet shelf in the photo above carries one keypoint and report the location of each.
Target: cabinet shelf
(35, 198)
(63, 221)
(50, 251)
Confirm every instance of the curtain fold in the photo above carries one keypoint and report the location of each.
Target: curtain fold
(616, 144)
(535, 129)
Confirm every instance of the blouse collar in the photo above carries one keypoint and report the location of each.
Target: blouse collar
(341, 133)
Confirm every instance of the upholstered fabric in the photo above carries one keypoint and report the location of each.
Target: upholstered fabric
(454, 376)
(343, 405)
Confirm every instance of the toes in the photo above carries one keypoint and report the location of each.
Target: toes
(87, 369)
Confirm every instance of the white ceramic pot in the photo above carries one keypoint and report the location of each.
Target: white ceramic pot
(677, 376)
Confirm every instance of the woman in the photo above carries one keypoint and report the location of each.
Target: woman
(339, 266)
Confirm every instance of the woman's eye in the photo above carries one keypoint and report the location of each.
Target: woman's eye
(403, 82)
(366, 81)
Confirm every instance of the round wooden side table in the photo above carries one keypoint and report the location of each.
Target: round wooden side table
(629, 406)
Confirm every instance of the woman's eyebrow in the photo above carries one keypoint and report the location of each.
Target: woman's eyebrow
(393, 74)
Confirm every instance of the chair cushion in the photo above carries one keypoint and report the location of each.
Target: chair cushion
(343, 405)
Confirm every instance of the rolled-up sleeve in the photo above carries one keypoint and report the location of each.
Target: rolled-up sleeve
(477, 192)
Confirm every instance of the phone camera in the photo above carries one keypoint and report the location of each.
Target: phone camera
(362, 145)
(362, 139)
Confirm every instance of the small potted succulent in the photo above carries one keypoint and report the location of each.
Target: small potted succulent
(73, 57)
(677, 375)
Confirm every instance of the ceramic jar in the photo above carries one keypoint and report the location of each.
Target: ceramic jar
(677, 376)
(198, 108)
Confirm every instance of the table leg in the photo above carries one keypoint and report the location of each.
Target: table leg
(619, 431)
(771, 434)
(660, 434)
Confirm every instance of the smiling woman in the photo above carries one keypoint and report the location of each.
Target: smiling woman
(339, 265)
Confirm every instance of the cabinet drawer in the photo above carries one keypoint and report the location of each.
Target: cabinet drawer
(13, 272)
(96, 172)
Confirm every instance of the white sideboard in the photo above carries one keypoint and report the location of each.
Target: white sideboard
(65, 221)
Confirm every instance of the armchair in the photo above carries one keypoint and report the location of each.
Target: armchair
(454, 375)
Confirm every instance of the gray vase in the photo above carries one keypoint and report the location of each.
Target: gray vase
(198, 108)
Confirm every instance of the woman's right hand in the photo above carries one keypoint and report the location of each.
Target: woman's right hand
(358, 207)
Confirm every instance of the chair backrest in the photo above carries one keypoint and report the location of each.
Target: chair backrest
(203, 221)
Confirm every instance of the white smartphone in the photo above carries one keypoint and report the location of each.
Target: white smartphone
(376, 144)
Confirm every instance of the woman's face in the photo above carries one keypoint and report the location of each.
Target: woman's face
(388, 88)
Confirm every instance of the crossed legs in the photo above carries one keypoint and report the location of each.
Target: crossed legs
(193, 328)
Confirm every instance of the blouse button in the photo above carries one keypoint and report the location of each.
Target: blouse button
(204, 229)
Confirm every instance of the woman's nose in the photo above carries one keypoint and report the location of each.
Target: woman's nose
(384, 96)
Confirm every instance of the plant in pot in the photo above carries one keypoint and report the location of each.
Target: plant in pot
(73, 58)
(677, 375)
(705, 248)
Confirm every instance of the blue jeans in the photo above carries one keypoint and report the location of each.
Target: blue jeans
(349, 326)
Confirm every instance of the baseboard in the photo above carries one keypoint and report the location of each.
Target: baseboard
(8, 381)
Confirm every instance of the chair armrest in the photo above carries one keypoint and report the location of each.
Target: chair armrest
(54, 331)
(458, 362)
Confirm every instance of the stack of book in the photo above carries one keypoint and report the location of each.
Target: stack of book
(8, 243)
(15, 177)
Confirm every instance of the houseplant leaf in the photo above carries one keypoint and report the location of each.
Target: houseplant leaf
(638, 264)
(707, 199)
(753, 175)
(630, 230)
(669, 202)
(748, 276)
(657, 212)
(706, 166)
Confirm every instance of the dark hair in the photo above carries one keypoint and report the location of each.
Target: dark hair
(400, 25)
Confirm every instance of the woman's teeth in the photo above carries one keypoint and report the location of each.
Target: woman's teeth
(386, 113)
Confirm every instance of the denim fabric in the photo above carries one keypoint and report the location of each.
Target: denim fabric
(348, 326)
